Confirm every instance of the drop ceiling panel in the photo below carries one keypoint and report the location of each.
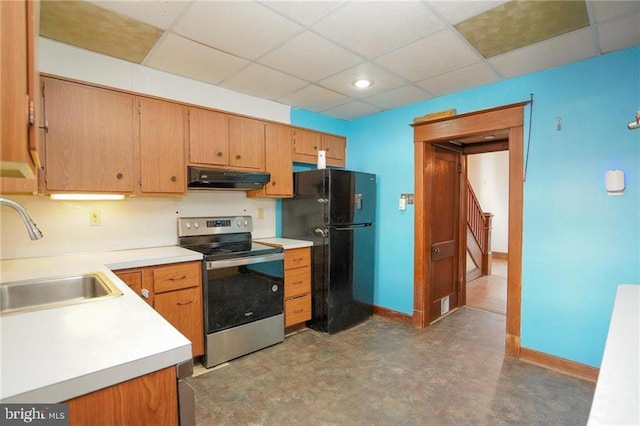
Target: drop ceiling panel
(184, 57)
(558, 51)
(382, 81)
(351, 110)
(460, 79)
(302, 12)
(430, 56)
(398, 97)
(258, 80)
(93, 28)
(615, 34)
(310, 57)
(158, 13)
(604, 10)
(520, 23)
(454, 11)
(245, 29)
(374, 29)
(315, 98)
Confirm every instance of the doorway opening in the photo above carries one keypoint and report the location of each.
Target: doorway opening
(486, 257)
(494, 129)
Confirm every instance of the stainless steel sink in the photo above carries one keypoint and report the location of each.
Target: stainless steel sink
(31, 295)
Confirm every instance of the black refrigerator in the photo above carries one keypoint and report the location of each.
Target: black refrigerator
(335, 209)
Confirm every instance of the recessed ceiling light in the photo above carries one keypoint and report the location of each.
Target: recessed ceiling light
(362, 83)
(489, 137)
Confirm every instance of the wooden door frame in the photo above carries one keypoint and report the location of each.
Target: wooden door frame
(511, 119)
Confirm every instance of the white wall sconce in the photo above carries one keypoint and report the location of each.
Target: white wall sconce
(614, 181)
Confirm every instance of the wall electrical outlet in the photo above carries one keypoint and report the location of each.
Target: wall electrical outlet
(95, 218)
(260, 213)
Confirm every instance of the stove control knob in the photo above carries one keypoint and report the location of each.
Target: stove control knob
(246, 222)
(196, 225)
(239, 223)
(187, 225)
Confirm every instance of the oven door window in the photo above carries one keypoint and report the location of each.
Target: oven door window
(238, 295)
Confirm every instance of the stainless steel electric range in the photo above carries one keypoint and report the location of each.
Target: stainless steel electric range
(243, 284)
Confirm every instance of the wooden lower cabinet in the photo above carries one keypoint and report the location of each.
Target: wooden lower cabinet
(183, 309)
(151, 399)
(297, 286)
(175, 292)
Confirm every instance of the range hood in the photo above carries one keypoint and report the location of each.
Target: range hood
(205, 178)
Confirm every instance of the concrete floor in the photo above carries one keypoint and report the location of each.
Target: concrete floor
(385, 373)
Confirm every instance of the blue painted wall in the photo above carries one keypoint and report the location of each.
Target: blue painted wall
(579, 242)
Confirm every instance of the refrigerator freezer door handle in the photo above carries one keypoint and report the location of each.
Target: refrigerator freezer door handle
(351, 227)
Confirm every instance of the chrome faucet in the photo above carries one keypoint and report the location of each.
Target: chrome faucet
(32, 228)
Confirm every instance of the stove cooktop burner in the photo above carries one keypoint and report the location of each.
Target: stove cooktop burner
(219, 238)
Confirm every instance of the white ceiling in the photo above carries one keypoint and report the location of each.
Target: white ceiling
(307, 53)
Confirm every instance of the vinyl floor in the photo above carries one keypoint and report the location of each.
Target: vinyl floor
(385, 373)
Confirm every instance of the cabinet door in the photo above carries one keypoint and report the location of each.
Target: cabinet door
(140, 281)
(246, 143)
(278, 162)
(307, 143)
(183, 309)
(162, 138)
(89, 144)
(151, 399)
(208, 137)
(18, 84)
(336, 149)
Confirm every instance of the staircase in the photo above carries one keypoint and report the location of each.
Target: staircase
(478, 236)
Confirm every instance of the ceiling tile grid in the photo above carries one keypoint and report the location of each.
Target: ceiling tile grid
(308, 53)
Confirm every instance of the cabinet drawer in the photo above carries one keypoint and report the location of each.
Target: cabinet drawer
(177, 276)
(297, 258)
(297, 310)
(183, 309)
(297, 282)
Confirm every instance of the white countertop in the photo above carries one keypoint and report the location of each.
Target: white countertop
(617, 397)
(52, 355)
(285, 243)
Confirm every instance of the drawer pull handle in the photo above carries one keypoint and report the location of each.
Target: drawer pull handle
(297, 282)
(178, 279)
(184, 303)
(299, 259)
(297, 311)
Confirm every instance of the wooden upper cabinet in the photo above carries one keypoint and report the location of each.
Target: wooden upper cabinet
(162, 138)
(19, 88)
(336, 149)
(246, 143)
(278, 162)
(307, 143)
(208, 137)
(226, 141)
(89, 144)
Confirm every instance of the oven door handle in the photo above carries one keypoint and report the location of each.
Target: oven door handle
(249, 260)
